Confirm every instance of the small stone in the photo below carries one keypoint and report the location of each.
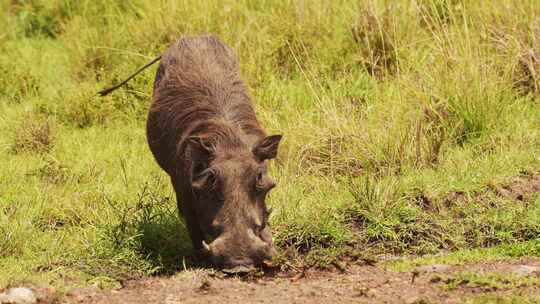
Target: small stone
(18, 295)
(433, 268)
(525, 270)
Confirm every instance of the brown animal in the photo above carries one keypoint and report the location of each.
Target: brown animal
(203, 132)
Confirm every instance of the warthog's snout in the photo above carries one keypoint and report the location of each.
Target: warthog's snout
(232, 252)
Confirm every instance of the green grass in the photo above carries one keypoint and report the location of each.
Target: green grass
(491, 281)
(514, 299)
(388, 110)
(503, 252)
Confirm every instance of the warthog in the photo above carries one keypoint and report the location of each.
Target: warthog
(202, 130)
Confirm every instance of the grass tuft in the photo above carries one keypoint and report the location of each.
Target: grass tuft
(373, 32)
(34, 134)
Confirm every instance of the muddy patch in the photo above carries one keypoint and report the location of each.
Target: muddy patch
(523, 188)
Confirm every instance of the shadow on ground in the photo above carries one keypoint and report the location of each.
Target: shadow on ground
(153, 229)
(164, 239)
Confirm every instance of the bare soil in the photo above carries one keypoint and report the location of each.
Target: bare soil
(357, 284)
(522, 188)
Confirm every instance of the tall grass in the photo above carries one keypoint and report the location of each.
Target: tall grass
(388, 110)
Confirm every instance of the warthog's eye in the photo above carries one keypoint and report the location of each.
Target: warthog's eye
(198, 169)
(259, 178)
(259, 229)
(260, 182)
(204, 180)
(263, 183)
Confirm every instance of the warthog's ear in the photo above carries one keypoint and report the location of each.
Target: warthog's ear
(267, 148)
(200, 151)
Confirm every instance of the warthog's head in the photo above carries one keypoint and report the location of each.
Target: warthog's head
(230, 184)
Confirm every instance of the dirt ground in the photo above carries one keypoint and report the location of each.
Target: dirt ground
(357, 284)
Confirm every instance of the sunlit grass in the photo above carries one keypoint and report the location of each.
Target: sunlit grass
(387, 109)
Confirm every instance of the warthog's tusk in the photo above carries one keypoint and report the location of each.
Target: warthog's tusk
(206, 247)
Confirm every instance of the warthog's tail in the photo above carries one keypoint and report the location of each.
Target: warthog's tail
(109, 90)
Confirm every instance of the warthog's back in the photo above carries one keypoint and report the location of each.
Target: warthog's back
(198, 89)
